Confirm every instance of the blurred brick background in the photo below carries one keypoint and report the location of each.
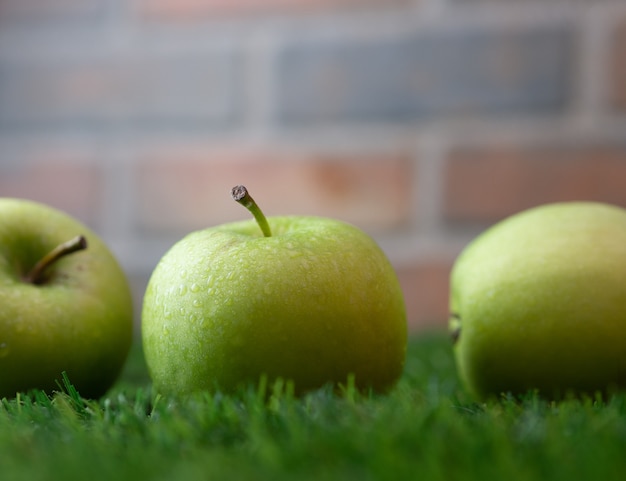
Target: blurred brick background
(421, 121)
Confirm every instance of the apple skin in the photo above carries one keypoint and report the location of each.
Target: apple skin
(538, 302)
(313, 303)
(79, 320)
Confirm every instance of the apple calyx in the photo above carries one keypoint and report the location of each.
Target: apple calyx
(241, 195)
(36, 274)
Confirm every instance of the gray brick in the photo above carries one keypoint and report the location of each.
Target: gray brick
(37, 12)
(462, 73)
(513, 2)
(192, 89)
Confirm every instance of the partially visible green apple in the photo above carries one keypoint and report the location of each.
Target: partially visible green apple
(65, 303)
(306, 299)
(538, 302)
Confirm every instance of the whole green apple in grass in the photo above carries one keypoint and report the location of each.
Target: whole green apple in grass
(307, 299)
(65, 304)
(538, 302)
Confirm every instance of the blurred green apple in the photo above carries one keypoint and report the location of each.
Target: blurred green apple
(538, 302)
(306, 299)
(65, 303)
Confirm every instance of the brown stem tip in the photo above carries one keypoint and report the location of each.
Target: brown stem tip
(239, 192)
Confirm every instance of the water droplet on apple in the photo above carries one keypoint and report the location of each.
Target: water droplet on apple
(182, 290)
(192, 318)
(4, 349)
(183, 274)
(194, 287)
(182, 311)
(196, 303)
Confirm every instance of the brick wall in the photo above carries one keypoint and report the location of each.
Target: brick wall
(421, 121)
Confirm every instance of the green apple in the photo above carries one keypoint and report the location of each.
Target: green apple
(66, 304)
(306, 299)
(538, 302)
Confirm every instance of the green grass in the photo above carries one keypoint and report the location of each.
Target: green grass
(426, 429)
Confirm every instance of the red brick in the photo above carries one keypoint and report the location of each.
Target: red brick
(425, 287)
(188, 189)
(56, 178)
(487, 184)
(618, 68)
(190, 9)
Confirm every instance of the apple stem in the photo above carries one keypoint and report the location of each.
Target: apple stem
(455, 327)
(36, 275)
(241, 195)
